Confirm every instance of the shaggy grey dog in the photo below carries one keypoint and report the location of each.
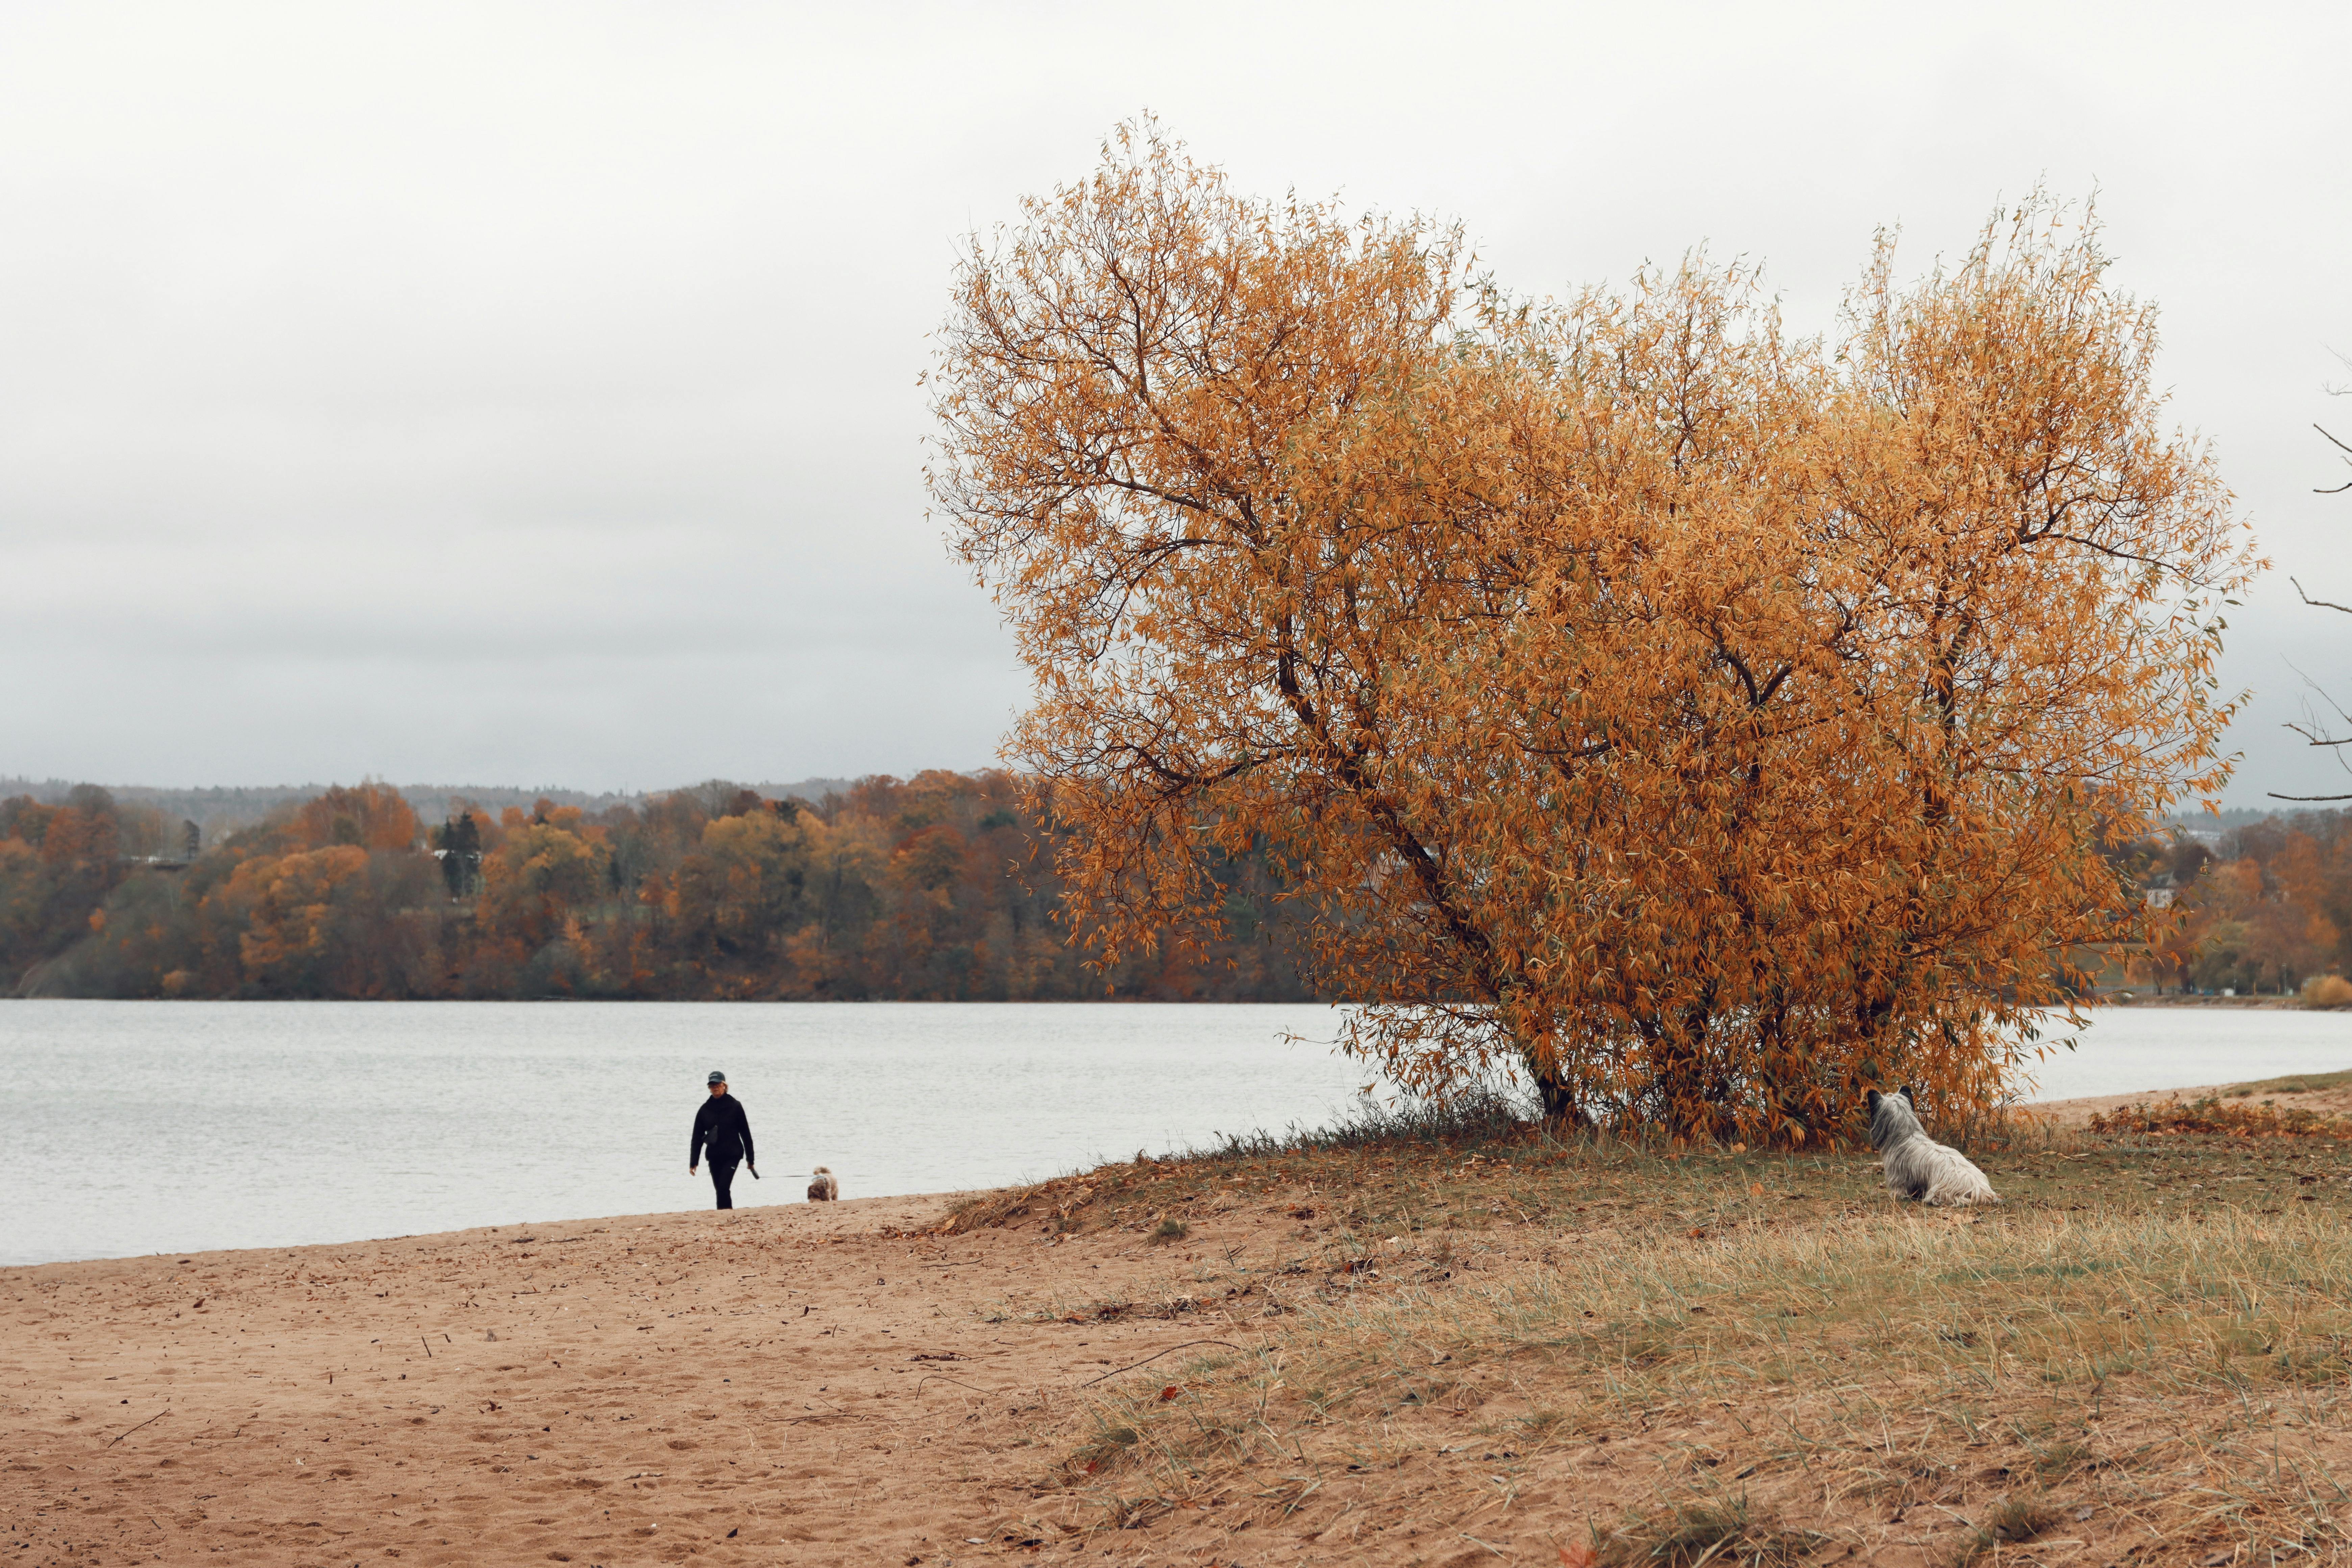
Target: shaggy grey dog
(824, 1189)
(1917, 1165)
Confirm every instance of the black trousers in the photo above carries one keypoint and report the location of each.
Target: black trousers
(722, 1176)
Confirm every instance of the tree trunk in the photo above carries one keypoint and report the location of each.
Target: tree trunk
(1558, 1104)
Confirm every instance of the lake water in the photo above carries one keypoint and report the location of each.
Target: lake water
(129, 1127)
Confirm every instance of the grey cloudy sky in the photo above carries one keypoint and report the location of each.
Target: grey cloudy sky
(526, 394)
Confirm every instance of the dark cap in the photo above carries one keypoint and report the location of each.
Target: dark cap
(718, 1078)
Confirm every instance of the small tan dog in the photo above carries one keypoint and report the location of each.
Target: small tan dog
(824, 1189)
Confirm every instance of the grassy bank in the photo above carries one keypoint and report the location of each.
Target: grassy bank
(1475, 1338)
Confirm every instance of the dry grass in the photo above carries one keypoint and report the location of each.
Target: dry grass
(1669, 1357)
(2220, 1115)
(2298, 1083)
(1695, 1530)
(2172, 1367)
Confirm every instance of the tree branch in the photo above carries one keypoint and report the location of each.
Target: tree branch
(2332, 489)
(2323, 604)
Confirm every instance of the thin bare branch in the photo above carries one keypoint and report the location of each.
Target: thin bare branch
(2320, 603)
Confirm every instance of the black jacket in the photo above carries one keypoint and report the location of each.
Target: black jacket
(719, 1126)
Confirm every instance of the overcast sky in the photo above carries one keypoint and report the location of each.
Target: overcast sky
(526, 394)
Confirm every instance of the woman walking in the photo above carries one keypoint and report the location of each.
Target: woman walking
(721, 1130)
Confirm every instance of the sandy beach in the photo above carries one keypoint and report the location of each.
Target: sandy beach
(2331, 1100)
(805, 1383)
(843, 1384)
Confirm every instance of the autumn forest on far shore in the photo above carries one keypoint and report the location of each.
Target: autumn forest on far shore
(929, 889)
(932, 888)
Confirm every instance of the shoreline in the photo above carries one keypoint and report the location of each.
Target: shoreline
(922, 1380)
(2291, 1002)
(2071, 1113)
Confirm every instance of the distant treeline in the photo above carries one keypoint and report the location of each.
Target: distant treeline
(220, 810)
(2264, 906)
(930, 889)
(933, 889)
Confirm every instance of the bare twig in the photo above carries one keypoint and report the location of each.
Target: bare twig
(2332, 489)
(2317, 737)
(149, 1422)
(1147, 1360)
(943, 1377)
(2322, 604)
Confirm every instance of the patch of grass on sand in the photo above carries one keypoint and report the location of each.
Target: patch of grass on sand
(2297, 1083)
(1707, 1528)
(2178, 1365)
(1388, 1173)
(1727, 1356)
(2227, 1116)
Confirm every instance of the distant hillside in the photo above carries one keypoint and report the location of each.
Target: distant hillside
(224, 808)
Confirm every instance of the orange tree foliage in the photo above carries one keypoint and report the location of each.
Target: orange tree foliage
(59, 864)
(1718, 721)
(933, 887)
(371, 816)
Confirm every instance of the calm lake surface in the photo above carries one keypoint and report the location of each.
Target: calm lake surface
(131, 1126)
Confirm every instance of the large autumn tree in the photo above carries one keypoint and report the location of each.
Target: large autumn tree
(1715, 720)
